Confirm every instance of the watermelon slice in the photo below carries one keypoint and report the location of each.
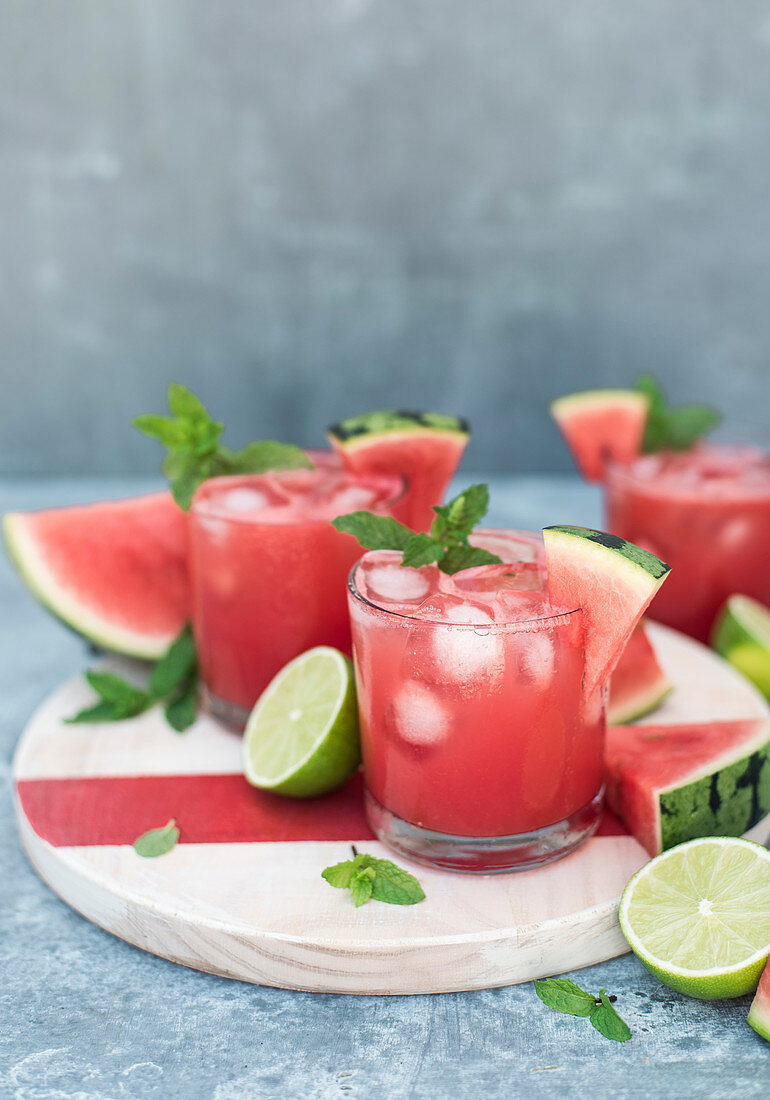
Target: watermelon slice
(675, 783)
(612, 581)
(759, 1013)
(638, 684)
(424, 447)
(601, 426)
(116, 572)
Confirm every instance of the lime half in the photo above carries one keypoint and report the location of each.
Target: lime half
(302, 737)
(698, 916)
(741, 634)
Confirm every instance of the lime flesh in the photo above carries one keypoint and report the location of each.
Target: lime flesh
(698, 916)
(741, 635)
(302, 737)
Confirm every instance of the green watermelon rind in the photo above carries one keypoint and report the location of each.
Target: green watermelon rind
(371, 426)
(628, 553)
(25, 557)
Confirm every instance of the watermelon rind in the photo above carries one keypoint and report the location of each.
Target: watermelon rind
(638, 685)
(741, 634)
(642, 704)
(611, 580)
(355, 430)
(594, 399)
(759, 1013)
(24, 552)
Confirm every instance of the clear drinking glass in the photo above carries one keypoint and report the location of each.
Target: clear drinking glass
(269, 570)
(480, 751)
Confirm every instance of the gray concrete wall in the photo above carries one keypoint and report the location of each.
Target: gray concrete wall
(310, 208)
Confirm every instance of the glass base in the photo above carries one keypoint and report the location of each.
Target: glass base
(230, 714)
(487, 855)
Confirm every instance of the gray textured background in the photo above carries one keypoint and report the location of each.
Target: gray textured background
(308, 209)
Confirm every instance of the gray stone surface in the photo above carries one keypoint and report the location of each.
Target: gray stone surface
(307, 209)
(84, 1016)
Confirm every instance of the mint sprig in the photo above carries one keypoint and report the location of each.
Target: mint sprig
(562, 995)
(156, 842)
(368, 877)
(446, 544)
(173, 681)
(670, 428)
(195, 453)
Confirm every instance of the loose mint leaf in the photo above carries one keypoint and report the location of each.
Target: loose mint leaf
(100, 712)
(562, 995)
(181, 711)
(669, 428)
(393, 884)
(361, 885)
(122, 699)
(466, 557)
(192, 438)
(606, 1020)
(374, 532)
(176, 666)
(340, 874)
(421, 550)
(156, 842)
(269, 454)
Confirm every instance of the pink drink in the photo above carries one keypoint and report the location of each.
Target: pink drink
(707, 513)
(480, 752)
(269, 571)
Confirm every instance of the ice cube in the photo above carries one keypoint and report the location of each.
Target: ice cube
(354, 498)
(418, 714)
(468, 653)
(244, 499)
(537, 657)
(393, 583)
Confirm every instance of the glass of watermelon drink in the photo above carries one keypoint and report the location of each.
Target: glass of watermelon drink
(707, 512)
(268, 572)
(481, 752)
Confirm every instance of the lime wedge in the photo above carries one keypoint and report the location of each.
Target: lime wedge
(741, 634)
(698, 916)
(302, 736)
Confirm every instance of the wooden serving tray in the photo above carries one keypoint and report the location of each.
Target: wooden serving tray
(242, 894)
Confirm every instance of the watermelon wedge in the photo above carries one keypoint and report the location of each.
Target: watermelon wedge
(759, 1013)
(116, 572)
(638, 684)
(612, 581)
(424, 447)
(674, 783)
(601, 426)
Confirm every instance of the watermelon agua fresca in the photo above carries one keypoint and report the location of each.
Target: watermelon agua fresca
(116, 572)
(759, 1013)
(602, 426)
(638, 685)
(424, 447)
(674, 783)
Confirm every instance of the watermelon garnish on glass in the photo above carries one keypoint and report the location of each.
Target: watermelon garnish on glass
(638, 685)
(676, 782)
(115, 571)
(759, 1013)
(424, 447)
(602, 426)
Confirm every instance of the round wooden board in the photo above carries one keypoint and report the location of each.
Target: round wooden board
(230, 902)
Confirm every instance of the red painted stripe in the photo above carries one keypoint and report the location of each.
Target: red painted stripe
(209, 809)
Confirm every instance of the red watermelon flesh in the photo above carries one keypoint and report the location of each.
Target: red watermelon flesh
(424, 448)
(759, 1013)
(673, 783)
(638, 685)
(600, 426)
(115, 571)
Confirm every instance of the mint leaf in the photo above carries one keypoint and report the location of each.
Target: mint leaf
(421, 550)
(368, 877)
(374, 532)
(176, 666)
(192, 438)
(156, 842)
(669, 428)
(118, 699)
(457, 558)
(563, 995)
(181, 711)
(361, 885)
(463, 513)
(100, 712)
(606, 1020)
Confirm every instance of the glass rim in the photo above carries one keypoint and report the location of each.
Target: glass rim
(624, 475)
(517, 626)
(319, 457)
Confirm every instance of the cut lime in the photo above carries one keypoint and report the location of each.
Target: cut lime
(698, 916)
(302, 736)
(741, 634)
